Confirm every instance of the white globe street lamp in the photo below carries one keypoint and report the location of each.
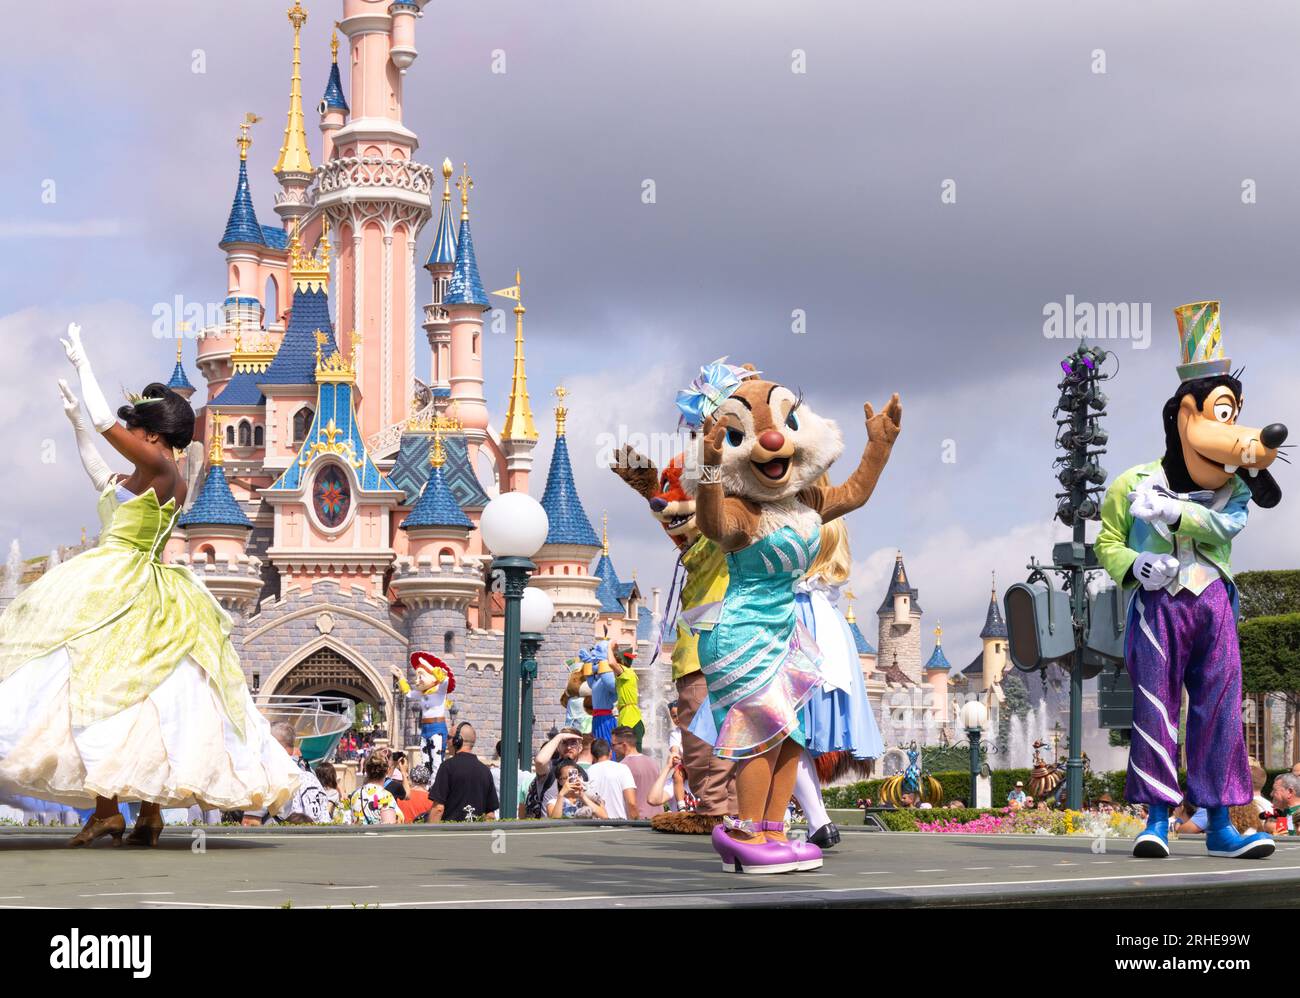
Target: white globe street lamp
(514, 527)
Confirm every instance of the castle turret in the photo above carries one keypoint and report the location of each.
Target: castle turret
(216, 532)
(465, 302)
(441, 261)
(937, 669)
(293, 168)
(377, 198)
(333, 106)
(243, 242)
(617, 598)
(178, 382)
(994, 636)
(900, 619)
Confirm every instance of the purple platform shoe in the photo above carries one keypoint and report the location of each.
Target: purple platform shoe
(751, 857)
(807, 856)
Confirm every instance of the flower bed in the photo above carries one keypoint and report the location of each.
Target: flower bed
(1036, 822)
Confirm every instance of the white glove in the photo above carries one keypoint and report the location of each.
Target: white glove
(1155, 571)
(95, 467)
(1149, 504)
(101, 416)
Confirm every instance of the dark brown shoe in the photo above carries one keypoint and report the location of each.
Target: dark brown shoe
(145, 832)
(97, 827)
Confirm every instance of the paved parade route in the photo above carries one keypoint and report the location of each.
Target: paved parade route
(601, 866)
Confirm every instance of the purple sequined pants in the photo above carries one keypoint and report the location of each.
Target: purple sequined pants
(1186, 641)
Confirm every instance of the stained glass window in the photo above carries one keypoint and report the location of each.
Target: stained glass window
(332, 495)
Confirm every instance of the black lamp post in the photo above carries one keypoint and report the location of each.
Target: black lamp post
(514, 527)
(530, 643)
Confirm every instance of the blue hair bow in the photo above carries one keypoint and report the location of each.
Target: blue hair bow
(715, 383)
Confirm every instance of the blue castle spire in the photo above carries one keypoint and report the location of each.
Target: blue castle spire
(465, 288)
(242, 225)
(179, 382)
(444, 241)
(216, 504)
(569, 523)
(938, 660)
(436, 507)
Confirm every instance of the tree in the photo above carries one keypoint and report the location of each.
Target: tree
(1268, 594)
(1270, 663)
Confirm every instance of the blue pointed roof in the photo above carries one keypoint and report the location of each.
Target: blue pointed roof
(240, 390)
(215, 504)
(569, 523)
(242, 226)
(179, 380)
(465, 288)
(864, 646)
(444, 242)
(610, 591)
(295, 360)
(898, 583)
(334, 91)
(436, 507)
(994, 626)
(275, 236)
(938, 660)
(342, 441)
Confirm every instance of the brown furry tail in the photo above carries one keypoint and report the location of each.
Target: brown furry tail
(685, 823)
(835, 766)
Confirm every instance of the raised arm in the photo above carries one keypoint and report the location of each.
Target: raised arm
(100, 475)
(728, 521)
(639, 472)
(882, 430)
(135, 450)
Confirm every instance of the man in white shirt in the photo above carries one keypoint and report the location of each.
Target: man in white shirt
(612, 781)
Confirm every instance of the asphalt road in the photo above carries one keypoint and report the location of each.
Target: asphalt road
(572, 865)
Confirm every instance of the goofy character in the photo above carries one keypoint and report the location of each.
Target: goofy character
(1166, 533)
(434, 682)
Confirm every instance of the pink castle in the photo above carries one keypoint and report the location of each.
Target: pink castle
(335, 514)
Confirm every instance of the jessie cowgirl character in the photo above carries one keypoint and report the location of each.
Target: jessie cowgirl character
(434, 682)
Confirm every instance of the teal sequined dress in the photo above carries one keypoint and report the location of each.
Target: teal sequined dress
(760, 662)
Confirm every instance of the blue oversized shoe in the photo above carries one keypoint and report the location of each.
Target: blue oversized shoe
(1153, 843)
(1221, 839)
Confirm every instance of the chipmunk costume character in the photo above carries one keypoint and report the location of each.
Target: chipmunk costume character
(434, 683)
(763, 450)
(1166, 533)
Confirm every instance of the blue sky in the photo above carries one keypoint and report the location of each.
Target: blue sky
(775, 192)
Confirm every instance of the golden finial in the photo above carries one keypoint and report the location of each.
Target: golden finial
(994, 591)
(519, 414)
(464, 184)
(334, 42)
(83, 537)
(245, 140)
(850, 616)
(294, 157)
(180, 340)
(561, 410)
(447, 171)
(604, 532)
(938, 634)
(214, 452)
(441, 424)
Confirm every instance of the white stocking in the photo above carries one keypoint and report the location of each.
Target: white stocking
(808, 792)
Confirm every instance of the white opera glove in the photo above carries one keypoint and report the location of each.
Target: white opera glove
(1155, 571)
(1149, 504)
(100, 476)
(101, 416)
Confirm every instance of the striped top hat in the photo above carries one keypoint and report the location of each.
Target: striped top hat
(1200, 341)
